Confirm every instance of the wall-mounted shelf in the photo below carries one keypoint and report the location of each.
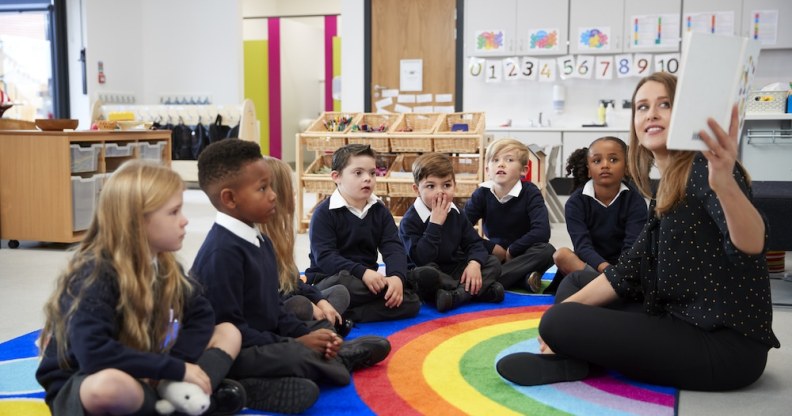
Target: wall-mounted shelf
(768, 116)
(769, 136)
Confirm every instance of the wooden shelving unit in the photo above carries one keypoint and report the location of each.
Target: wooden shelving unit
(397, 148)
(36, 169)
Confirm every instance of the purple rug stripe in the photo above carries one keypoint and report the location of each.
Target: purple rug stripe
(621, 388)
(587, 392)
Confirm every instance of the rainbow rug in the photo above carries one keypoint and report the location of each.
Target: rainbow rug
(440, 364)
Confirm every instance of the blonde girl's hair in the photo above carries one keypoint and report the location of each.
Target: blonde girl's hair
(116, 242)
(502, 145)
(671, 189)
(280, 227)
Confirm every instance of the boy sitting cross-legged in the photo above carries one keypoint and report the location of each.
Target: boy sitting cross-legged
(281, 359)
(346, 232)
(453, 267)
(514, 217)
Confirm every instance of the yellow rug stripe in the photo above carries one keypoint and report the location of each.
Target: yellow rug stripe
(441, 368)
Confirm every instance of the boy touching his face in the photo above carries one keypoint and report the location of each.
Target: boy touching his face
(452, 265)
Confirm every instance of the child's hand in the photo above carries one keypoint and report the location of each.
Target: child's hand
(324, 310)
(395, 293)
(543, 348)
(471, 277)
(194, 374)
(500, 252)
(440, 207)
(374, 281)
(323, 341)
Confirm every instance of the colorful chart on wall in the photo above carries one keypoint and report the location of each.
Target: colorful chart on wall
(490, 41)
(594, 38)
(543, 39)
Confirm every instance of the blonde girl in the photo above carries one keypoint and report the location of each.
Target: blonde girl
(123, 314)
(305, 301)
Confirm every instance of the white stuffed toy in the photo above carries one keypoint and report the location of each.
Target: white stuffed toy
(181, 396)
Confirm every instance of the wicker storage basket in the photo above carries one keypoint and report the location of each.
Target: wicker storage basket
(466, 170)
(418, 123)
(456, 144)
(324, 143)
(379, 144)
(384, 163)
(372, 123)
(473, 121)
(409, 143)
(400, 179)
(331, 123)
(316, 179)
(773, 102)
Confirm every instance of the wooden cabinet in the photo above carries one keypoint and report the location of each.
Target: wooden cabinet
(49, 181)
(395, 153)
(525, 27)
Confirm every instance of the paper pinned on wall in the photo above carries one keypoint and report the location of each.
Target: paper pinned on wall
(765, 27)
(402, 108)
(390, 92)
(423, 109)
(423, 98)
(411, 74)
(383, 102)
(444, 98)
(444, 109)
(406, 99)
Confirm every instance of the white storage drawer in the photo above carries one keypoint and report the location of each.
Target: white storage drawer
(83, 201)
(152, 151)
(84, 158)
(118, 149)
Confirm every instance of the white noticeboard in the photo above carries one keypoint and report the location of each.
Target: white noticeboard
(411, 75)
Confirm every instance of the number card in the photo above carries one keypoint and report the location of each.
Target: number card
(642, 65)
(604, 68)
(511, 69)
(566, 66)
(493, 70)
(624, 64)
(476, 67)
(585, 66)
(529, 68)
(547, 71)
(668, 62)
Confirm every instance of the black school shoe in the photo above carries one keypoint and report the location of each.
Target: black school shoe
(363, 352)
(228, 398)
(528, 369)
(343, 327)
(280, 395)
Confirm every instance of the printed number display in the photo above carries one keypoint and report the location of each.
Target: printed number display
(566, 66)
(623, 65)
(642, 65)
(667, 63)
(511, 69)
(528, 68)
(604, 67)
(547, 70)
(476, 67)
(584, 66)
(494, 70)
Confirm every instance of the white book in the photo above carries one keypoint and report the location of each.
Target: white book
(715, 72)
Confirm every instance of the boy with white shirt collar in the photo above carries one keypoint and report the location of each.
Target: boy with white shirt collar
(346, 232)
(514, 217)
(452, 264)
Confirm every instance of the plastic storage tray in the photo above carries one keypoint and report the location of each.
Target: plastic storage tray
(152, 151)
(84, 158)
(118, 149)
(83, 202)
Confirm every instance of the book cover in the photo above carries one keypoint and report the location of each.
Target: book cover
(715, 72)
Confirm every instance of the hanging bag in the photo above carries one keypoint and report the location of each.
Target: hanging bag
(217, 131)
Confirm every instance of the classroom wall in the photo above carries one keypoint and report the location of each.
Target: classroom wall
(151, 48)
